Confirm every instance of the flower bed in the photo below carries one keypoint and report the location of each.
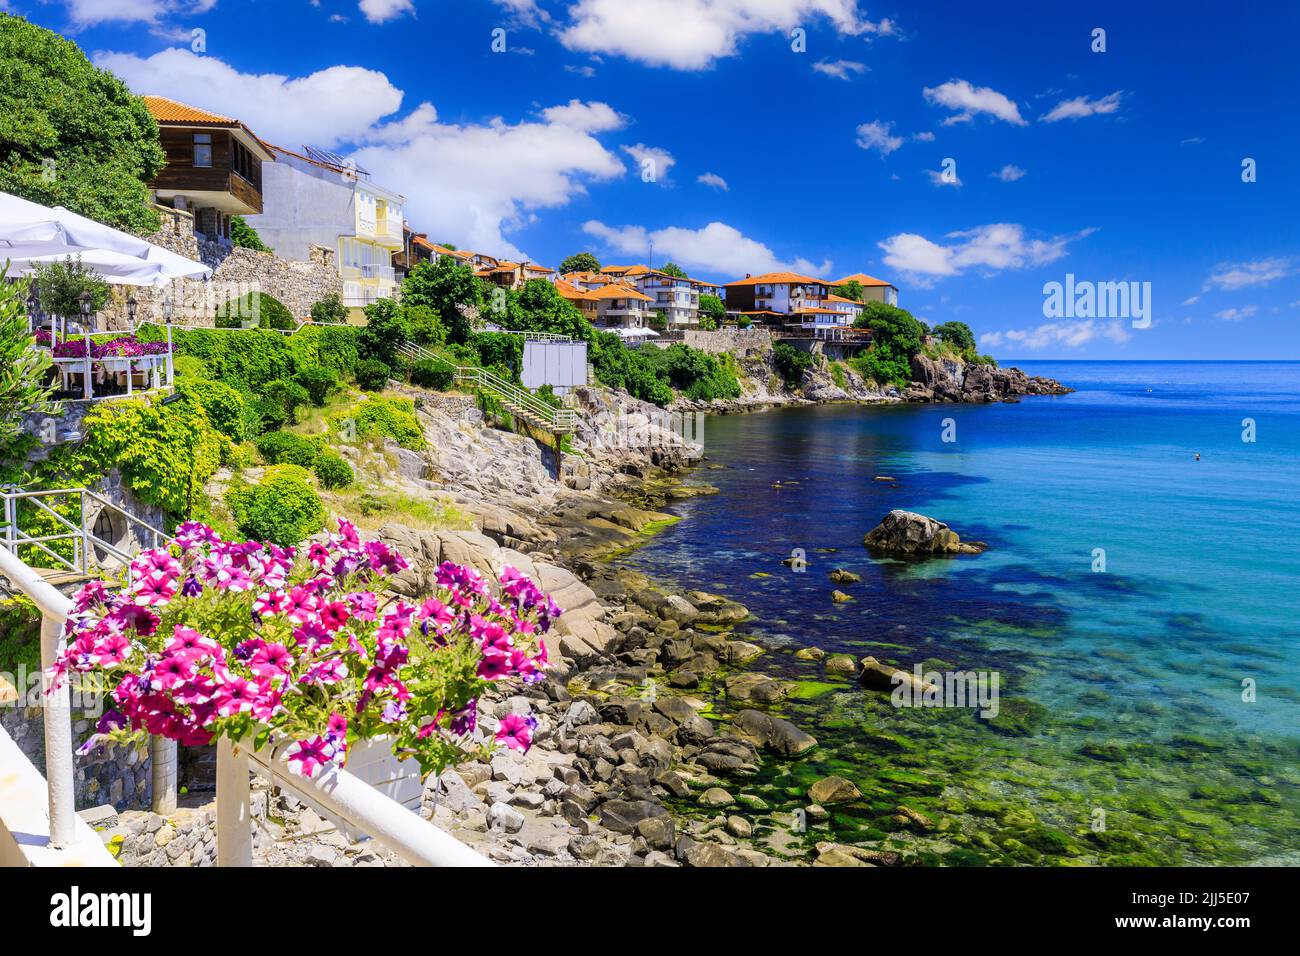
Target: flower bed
(255, 643)
(122, 347)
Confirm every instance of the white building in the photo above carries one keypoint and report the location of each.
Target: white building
(317, 198)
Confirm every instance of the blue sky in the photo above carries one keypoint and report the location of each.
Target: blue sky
(1115, 166)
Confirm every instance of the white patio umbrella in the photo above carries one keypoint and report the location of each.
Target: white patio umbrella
(31, 233)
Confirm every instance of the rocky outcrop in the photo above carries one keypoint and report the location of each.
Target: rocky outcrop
(909, 534)
(952, 380)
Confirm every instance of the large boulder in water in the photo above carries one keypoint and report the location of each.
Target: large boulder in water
(908, 533)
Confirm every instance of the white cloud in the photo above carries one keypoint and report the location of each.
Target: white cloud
(468, 184)
(1192, 141)
(937, 178)
(1191, 300)
(879, 136)
(1009, 173)
(381, 11)
(967, 101)
(840, 69)
(474, 184)
(323, 108)
(993, 247)
(86, 13)
(584, 71)
(1237, 314)
(1063, 334)
(926, 137)
(651, 160)
(525, 12)
(692, 34)
(717, 249)
(714, 180)
(1081, 106)
(1242, 275)
(587, 117)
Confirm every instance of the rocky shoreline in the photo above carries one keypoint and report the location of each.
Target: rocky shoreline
(633, 765)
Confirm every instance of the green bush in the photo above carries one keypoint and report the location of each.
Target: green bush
(245, 236)
(329, 346)
(245, 360)
(429, 373)
(264, 415)
(330, 310)
(223, 405)
(332, 470)
(287, 448)
(269, 311)
(283, 508)
(388, 418)
(372, 375)
(791, 363)
(289, 394)
(319, 382)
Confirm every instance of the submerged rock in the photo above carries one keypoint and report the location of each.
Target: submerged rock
(908, 533)
(842, 576)
(833, 790)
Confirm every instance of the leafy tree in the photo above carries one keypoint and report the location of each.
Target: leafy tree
(245, 236)
(73, 135)
(424, 326)
(956, 334)
(895, 338)
(545, 310)
(850, 290)
(445, 287)
(712, 307)
(60, 284)
(673, 269)
(329, 310)
(384, 333)
(24, 369)
(580, 262)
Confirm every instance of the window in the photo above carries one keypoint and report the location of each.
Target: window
(202, 149)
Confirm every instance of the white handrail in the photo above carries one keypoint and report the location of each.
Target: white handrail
(561, 419)
(363, 807)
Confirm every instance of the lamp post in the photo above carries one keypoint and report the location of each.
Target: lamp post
(167, 322)
(84, 301)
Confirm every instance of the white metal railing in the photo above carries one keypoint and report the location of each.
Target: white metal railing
(338, 792)
(511, 395)
(85, 543)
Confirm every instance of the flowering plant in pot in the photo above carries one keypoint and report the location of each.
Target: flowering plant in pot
(250, 641)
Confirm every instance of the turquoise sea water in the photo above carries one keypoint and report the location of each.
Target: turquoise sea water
(1140, 667)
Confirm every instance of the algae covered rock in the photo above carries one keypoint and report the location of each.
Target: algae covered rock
(910, 534)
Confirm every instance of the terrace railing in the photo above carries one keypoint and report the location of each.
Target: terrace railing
(69, 842)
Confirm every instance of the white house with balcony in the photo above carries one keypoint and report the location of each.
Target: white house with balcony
(316, 198)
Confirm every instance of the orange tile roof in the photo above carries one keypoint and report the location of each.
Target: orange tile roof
(166, 110)
(840, 298)
(616, 290)
(862, 279)
(778, 278)
(817, 312)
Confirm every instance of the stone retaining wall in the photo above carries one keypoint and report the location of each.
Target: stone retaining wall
(236, 271)
(735, 341)
(113, 774)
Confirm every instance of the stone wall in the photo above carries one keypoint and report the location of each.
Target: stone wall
(185, 837)
(733, 340)
(236, 271)
(114, 774)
